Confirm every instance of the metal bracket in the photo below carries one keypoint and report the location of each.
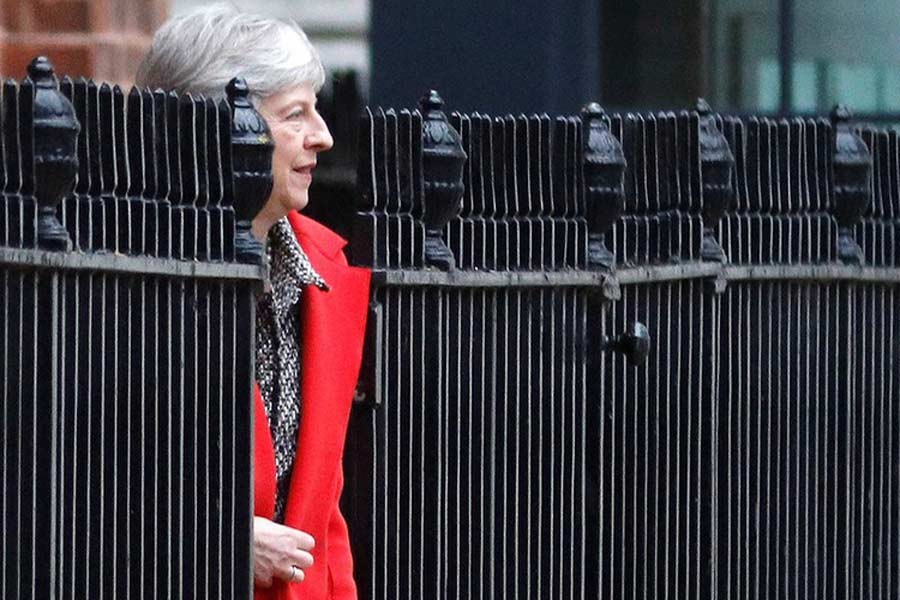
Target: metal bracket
(368, 391)
(715, 285)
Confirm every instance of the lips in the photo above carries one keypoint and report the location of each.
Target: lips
(305, 173)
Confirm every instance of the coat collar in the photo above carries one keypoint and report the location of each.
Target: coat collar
(309, 232)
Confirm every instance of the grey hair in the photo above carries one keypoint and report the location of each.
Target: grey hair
(200, 51)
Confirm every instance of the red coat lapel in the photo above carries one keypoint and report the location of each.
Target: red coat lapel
(333, 324)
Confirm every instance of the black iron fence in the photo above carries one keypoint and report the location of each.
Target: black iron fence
(127, 281)
(648, 355)
(659, 360)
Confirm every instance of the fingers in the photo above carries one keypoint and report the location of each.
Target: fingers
(290, 573)
(302, 559)
(280, 552)
(304, 540)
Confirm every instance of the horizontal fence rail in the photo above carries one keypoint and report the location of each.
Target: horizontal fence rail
(656, 356)
(126, 320)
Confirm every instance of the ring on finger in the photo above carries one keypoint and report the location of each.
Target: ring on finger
(294, 573)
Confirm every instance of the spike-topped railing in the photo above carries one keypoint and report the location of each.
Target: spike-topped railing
(661, 360)
(127, 295)
(610, 355)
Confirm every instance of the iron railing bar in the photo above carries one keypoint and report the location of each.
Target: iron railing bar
(817, 396)
(411, 481)
(849, 429)
(213, 401)
(220, 439)
(694, 408)
(492, 467)
(885, 448)
(831, 548)
(530, 296)
(76, 313)
(22, 258)
(444, 435)
(4, 444)
(89, 409)
(668, 512)
(716, 453)
(33, 402)
(808, 401)
(745, 443)
(142, 428)
(422, 312)
(505, 356)
(893, 331)
(580, 309)
(657, 404)
(623, 448)
(794, 392)
(781, 481)
(456, 401)
(469, 396)
(392, 300)
(232, 516)
(511, 435)
(869, 336)
(199, 529)
(556, 367)
(639, 465)
(19, 449)
(156, 483)
(484, 546)
(129, 394)
(395, 445)
(114, 285)
(60, 455)
(679, 294)
(104, 323)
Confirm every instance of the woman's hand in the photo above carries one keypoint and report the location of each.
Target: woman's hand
(279, 551)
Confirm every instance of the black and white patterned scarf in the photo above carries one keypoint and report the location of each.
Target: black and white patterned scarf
(278, 348)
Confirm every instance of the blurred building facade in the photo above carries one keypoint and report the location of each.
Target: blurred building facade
(772, 56)
(103, 39)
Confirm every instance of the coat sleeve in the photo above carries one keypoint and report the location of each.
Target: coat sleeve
(340, 561)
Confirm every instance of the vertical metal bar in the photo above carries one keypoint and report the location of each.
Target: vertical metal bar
(6, 547)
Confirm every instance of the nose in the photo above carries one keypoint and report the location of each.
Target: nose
(319, 138)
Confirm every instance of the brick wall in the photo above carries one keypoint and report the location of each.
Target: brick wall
(102, 39)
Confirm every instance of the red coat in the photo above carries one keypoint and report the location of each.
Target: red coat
(333, 325)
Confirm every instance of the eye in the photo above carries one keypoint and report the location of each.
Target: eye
(295, 114)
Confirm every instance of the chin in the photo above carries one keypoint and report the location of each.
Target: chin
(297, 204)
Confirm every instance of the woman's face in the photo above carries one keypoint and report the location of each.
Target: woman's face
(300, 134)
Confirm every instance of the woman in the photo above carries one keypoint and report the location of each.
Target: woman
(310, 318)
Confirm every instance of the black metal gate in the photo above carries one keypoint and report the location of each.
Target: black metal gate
(653, 356)
(126, 328)
(705, 411)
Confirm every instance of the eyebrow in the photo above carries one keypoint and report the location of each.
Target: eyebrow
(292, 104)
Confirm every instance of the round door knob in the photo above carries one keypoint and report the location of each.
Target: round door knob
(634, 343)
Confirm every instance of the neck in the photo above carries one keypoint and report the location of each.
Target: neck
(263, 222)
